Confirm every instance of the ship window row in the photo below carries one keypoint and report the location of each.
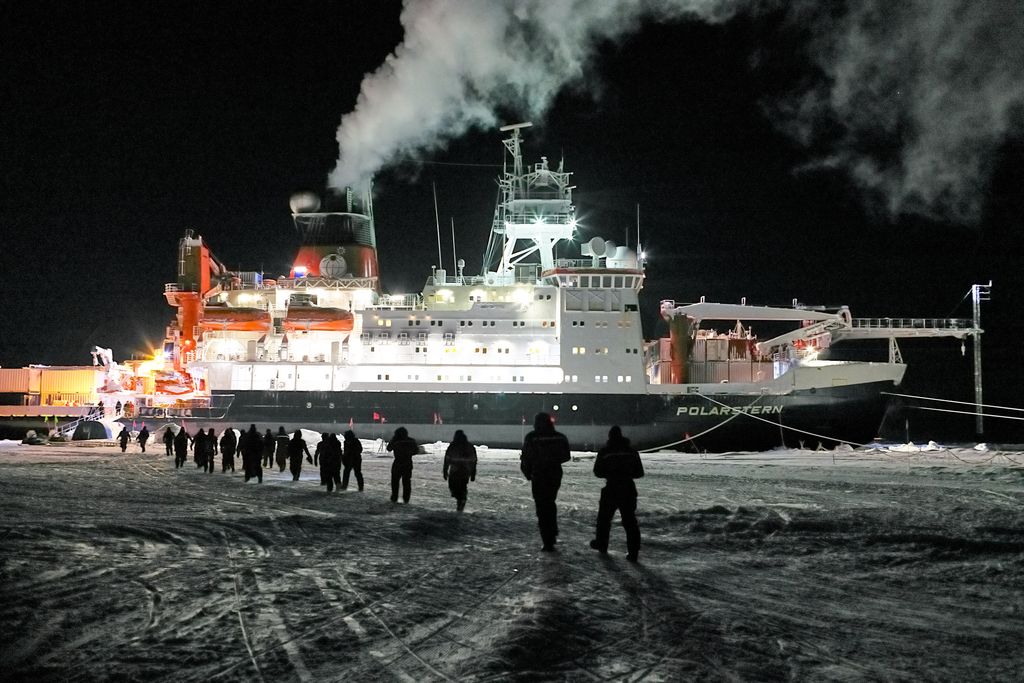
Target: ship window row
(600, 379)
(582, 350)
(602, 281)
(469, 323)
(543, 297)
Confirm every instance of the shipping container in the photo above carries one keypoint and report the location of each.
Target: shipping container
(15, 380)
(69, 385)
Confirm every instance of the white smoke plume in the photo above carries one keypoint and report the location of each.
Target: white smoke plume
(913, 100)
(462, 59)
(917, 98)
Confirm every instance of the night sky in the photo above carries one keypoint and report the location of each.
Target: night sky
(124, 125)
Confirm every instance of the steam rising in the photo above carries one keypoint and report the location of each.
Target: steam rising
(461, 59)
(922, 93)
(914, 100)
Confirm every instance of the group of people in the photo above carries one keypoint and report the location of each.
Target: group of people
(544, 452)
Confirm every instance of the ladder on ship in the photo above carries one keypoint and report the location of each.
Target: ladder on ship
(66, 431)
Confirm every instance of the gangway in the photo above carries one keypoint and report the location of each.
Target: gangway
(904, 328)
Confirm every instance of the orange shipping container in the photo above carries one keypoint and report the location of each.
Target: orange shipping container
(16, 381)
(69, 385)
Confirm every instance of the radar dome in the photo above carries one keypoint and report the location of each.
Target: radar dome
(304, 202)
(333, 266)
(595, 247)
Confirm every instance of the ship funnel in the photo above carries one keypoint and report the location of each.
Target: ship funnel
(336, 244)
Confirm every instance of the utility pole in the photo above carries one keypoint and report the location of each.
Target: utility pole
(979, 293)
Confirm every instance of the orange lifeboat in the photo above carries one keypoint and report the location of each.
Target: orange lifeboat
(315, 318)
(236, 319)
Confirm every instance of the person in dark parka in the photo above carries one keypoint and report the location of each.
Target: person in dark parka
(211, 450)
(143, 437)
(296, 447)
(404, 447)
(181, 441)
(459, 467)
(251, 446)
(228, 444)
(352, 459)
(199, 450)
(544, 451)
(269, 447)
(618, 463)
(281, 456)
(124, 437)
(330, 462)
(168, 441)
(318, 456)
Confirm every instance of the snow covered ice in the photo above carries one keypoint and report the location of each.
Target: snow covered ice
(856, 565)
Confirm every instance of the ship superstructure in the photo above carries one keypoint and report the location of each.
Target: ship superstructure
(325, 348)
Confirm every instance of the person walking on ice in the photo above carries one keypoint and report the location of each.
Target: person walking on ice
(168, 441)
(352, 459)
(618, 463)
(123, 438)
(211, 450)
(544, 451)
(228, 444)
(281, 455)
(459, 467)
(296, 447)
(143, 437)
(251, 446)
(404, 447)
(181, 442)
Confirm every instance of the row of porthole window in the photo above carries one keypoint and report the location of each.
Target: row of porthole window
(601, 323)
(600, 379)
(483, 323)
(385, 377)
(603, 350)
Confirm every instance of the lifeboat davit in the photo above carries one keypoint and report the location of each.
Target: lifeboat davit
(319, 319)
(236, 319)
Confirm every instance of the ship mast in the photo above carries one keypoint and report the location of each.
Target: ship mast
(534, 212)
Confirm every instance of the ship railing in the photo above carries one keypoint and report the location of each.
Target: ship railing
(574, 263)
(912, 323)
(322, 283)
(393, 302)
(531, 218)
(457, 280)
